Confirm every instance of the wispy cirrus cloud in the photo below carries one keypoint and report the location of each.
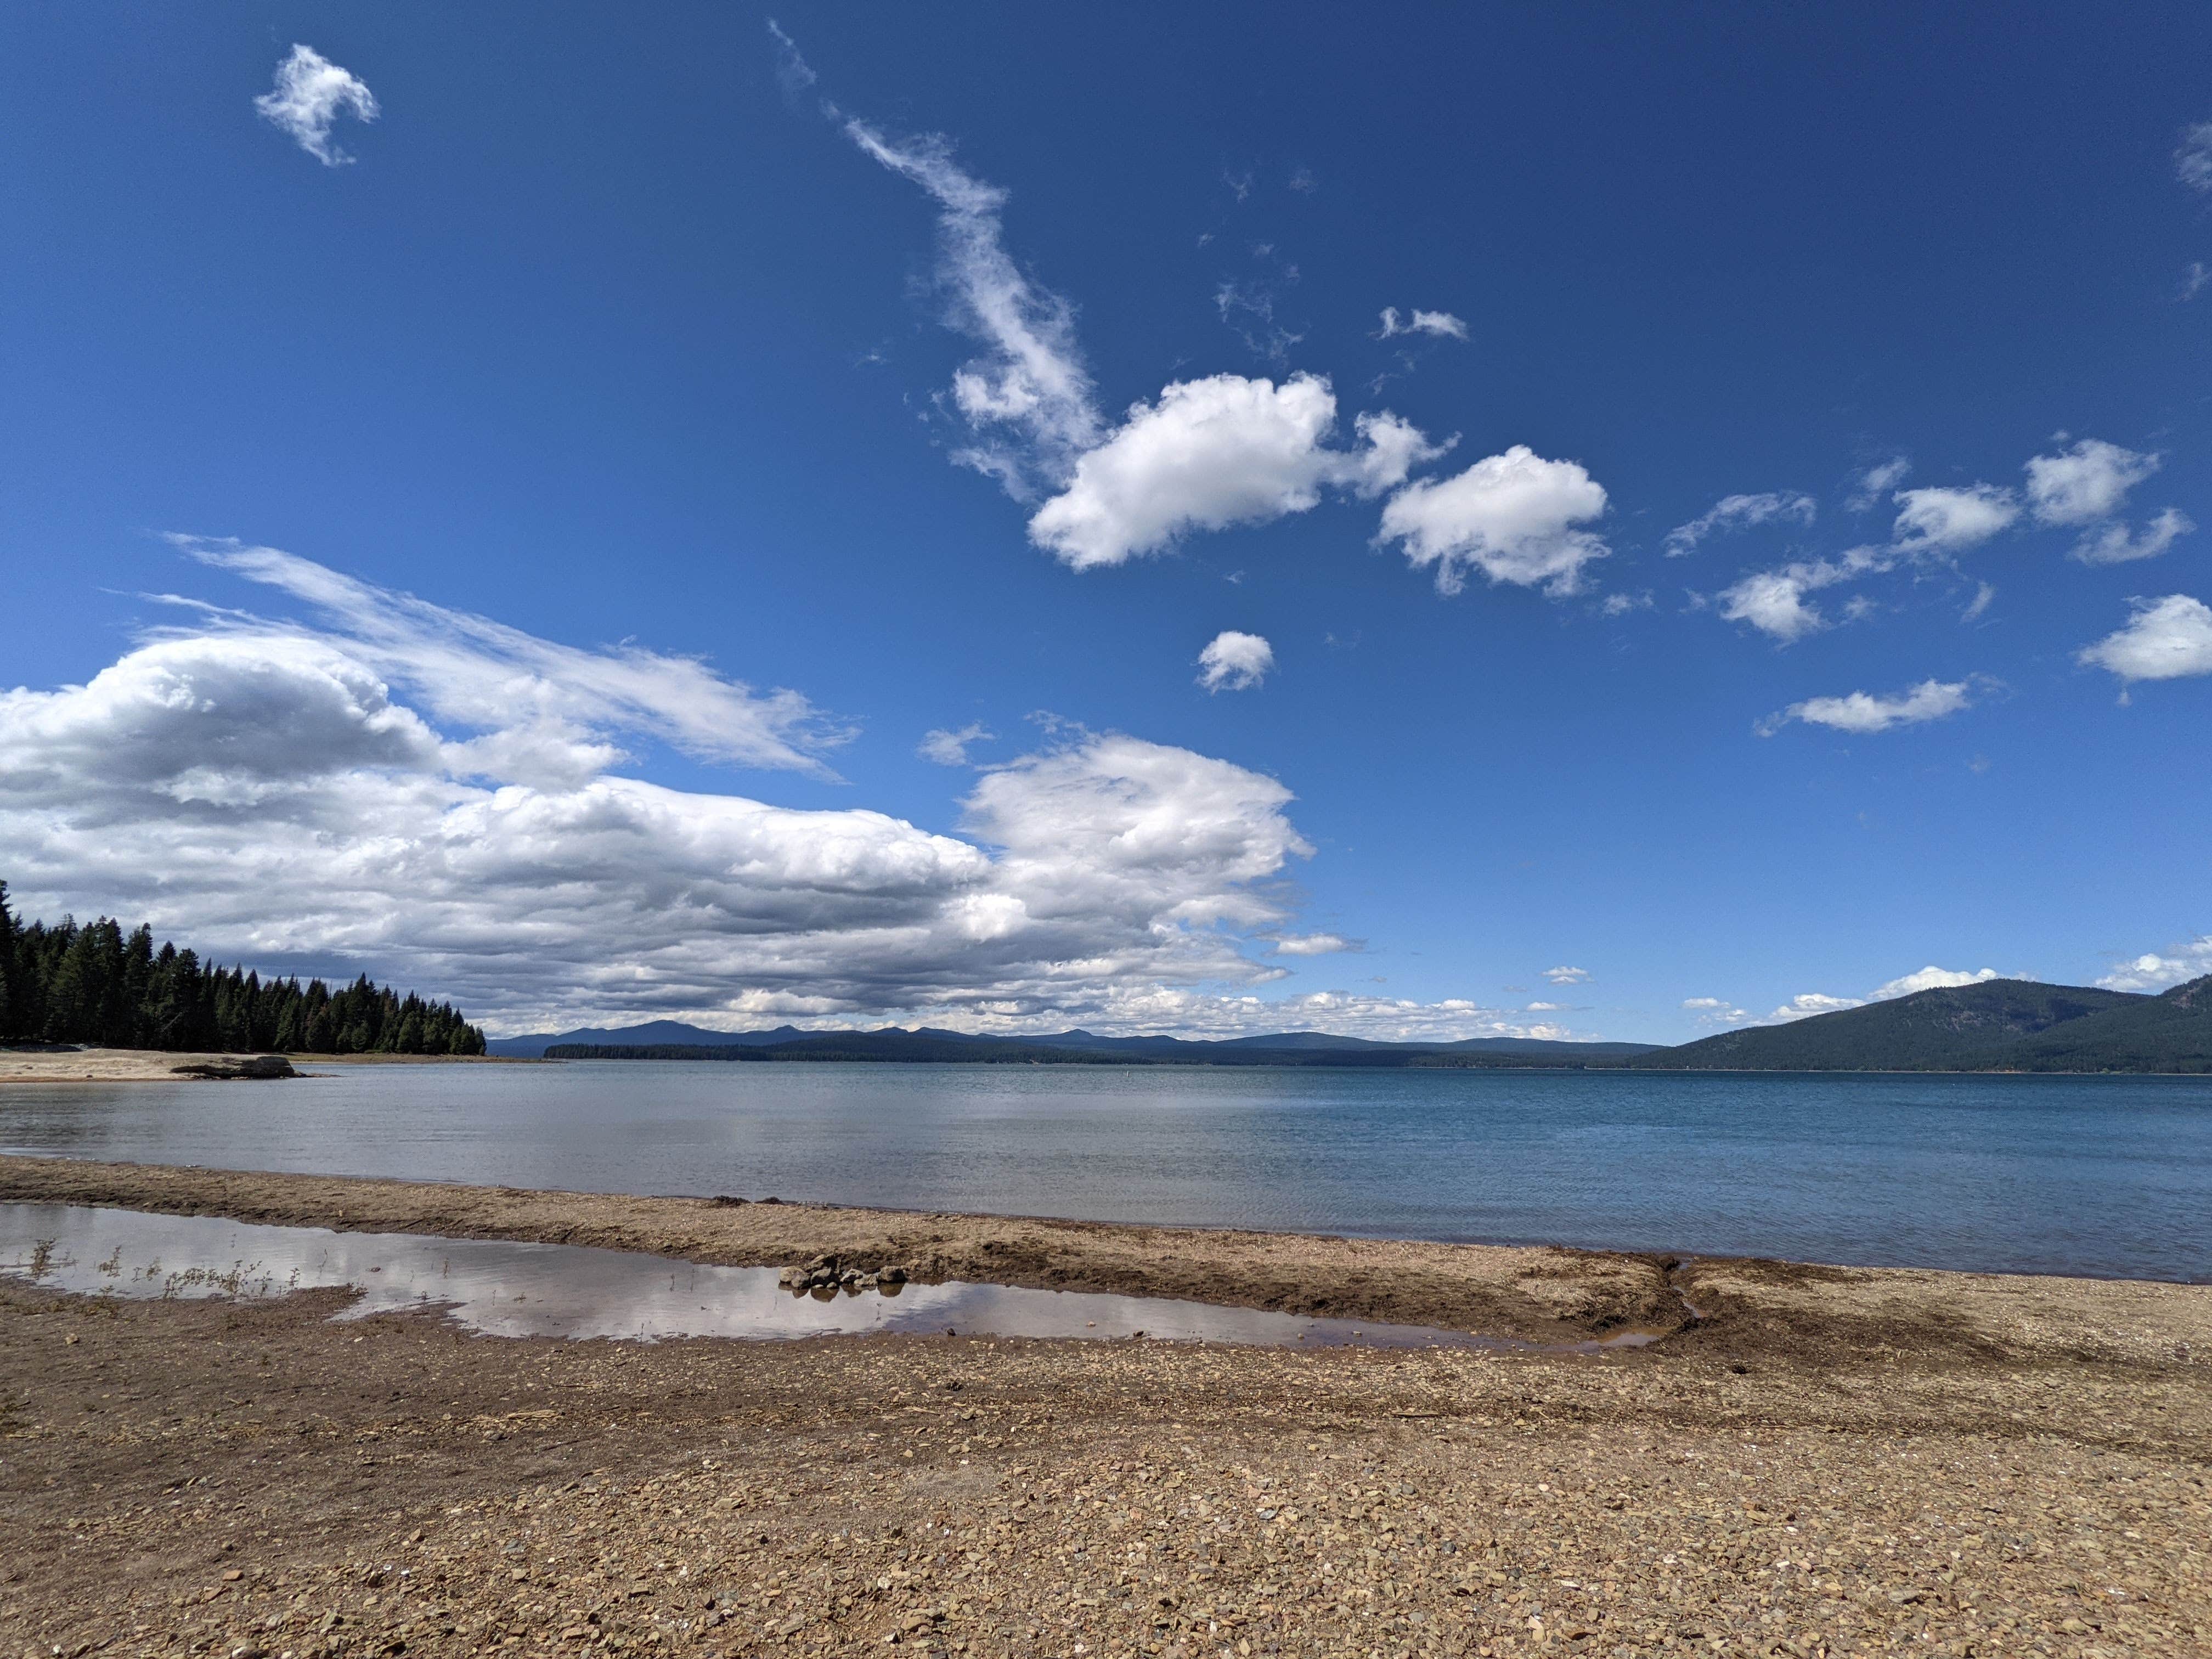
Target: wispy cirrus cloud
(1436, 325)
(950, 748)
(1027, 400)
(1740, 513)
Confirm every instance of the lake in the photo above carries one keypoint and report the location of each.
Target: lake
(2101, 1175)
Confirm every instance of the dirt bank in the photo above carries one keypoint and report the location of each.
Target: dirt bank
(251, 1480)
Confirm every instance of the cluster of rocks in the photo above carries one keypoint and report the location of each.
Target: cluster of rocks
(826, 1275)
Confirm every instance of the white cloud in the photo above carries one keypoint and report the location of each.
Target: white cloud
(792, 72)
(1510, 516)
(1949, 520)
(1984, 595)
(950, 748)
(1740, 513)
(1806, 1004)
(2085, 484)
(2114, 544)
(310, 95)
(1873, 486)
(1619, 604)
(2194, 280)
(1256, 300)
(1235, 662)
(1441, 324)
(1567, 975)
(1774, 601)
(1215, 452)
(1862, 712)
(1350, 1013)
(533, 705)
(2167, 639)
(1715, 1011)
(2153, 971)
(1312, 945)
(428, 797)
(1028, 399)
(1931, 978)
(2192, 160)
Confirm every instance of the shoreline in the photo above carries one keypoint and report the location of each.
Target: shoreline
(1833, 1462)
(94, 1065)
(1535, 1293)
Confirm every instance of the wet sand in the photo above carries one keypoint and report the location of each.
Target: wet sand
(163, 1066)
(1832, 1461)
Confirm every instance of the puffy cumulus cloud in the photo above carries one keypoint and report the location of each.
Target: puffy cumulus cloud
(1567, 975)
(222, 722)
(1441, 324)
(950, 748)
(1931, 978)
(330, 799)
(1775, 601)
(310, 95)
(1806, 1004)
(1863, 713)
(1210, 453)
(2167, 639)
(2085, 484)
(1949, 520)
(1313, 945)
(1740, 513)
(1028, 399)
(1512, 516)
(2115, 544)
(2158, 971)
(1345, 1013)
(1235, 662)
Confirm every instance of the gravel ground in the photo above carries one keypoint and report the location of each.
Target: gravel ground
(1834, 1463)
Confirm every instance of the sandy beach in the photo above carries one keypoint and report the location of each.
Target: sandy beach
(1830, 1460)
(74, 1064)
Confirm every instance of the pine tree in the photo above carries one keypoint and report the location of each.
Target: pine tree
(97, 984)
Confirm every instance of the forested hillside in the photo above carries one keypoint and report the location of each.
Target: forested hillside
(98, 984)
(1996, 1025)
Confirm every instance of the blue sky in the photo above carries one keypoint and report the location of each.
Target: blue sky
(738, 419)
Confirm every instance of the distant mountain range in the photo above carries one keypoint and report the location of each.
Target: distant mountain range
(1998, 1025)
(668, 1039)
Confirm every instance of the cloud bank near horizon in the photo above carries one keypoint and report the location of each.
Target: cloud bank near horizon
(433, 796)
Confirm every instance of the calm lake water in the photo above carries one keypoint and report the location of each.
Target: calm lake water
(2098, 1175)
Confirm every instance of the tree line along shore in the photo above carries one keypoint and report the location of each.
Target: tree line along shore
(95, 983)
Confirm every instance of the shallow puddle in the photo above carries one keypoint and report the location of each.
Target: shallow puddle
(499, 1288)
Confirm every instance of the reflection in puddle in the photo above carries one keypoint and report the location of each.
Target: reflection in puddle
(503, 1289)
